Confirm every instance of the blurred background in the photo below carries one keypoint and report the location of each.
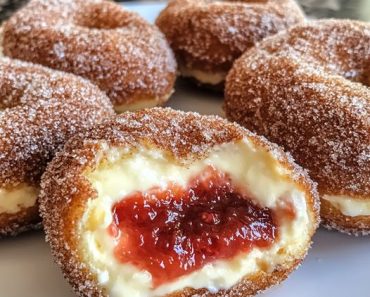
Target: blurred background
(354, 9)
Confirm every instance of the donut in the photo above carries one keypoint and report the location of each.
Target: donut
(117, 50)
(39, 109)
(308, 90)
(167, 203)
(207, 36)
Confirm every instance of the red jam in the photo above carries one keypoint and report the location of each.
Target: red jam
(174, 231)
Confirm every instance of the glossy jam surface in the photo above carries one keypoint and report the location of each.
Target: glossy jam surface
(174, 231)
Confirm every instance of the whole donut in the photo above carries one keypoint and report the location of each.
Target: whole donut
(208, 36)
(39, 110)
(176, 170)
(308, 90)
(117, 50)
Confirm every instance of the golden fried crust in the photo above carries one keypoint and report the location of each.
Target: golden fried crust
(65, 190)
(332, 218)
(247, 287)
(307, 90)
(210, 35)
(119, 51)
(41, 108)
(24, 220)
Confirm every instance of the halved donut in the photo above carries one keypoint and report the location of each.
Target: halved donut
(168, 203)
(116, 49)
(39, 109)
(307, 89)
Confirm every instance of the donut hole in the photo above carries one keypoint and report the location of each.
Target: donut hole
(100, 23)
(103, 17)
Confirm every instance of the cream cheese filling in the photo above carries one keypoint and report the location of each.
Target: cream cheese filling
(210, 78)
(349, 206)
(12, 201)
(120, 174)
(146, 103)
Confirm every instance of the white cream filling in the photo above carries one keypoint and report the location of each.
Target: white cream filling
(12, 201)
(136, 106)
(349, 206)
(148, 103)
(121, 174)
(210, 78)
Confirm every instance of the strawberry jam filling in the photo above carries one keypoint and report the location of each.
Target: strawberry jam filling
(174, 231)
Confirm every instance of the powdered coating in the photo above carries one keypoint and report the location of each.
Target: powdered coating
(210, 35)
(308, 90)
(119, 51)
(40, 109)
(184, 136)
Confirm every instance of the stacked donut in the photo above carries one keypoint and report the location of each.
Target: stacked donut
(159, 202)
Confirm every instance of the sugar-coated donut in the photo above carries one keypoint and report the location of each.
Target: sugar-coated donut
(207, 36)
(308, 90)
(39, 110)
(167, 203)
(119, 51)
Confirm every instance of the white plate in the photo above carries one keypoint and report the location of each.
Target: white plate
(337, 265)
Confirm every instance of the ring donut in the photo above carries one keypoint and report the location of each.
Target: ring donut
(117, 50)
(308, 90)
(167, 203)
(207, 36)
(39, 110)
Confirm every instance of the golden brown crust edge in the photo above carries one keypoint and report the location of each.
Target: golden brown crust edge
(333, 219)
(65, 191)
(247, 287)
(22, 221)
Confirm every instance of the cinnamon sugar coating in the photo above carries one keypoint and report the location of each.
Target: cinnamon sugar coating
(186, 137)
(308, 90)
(210, 35)
(119, 51)
(39, 110)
